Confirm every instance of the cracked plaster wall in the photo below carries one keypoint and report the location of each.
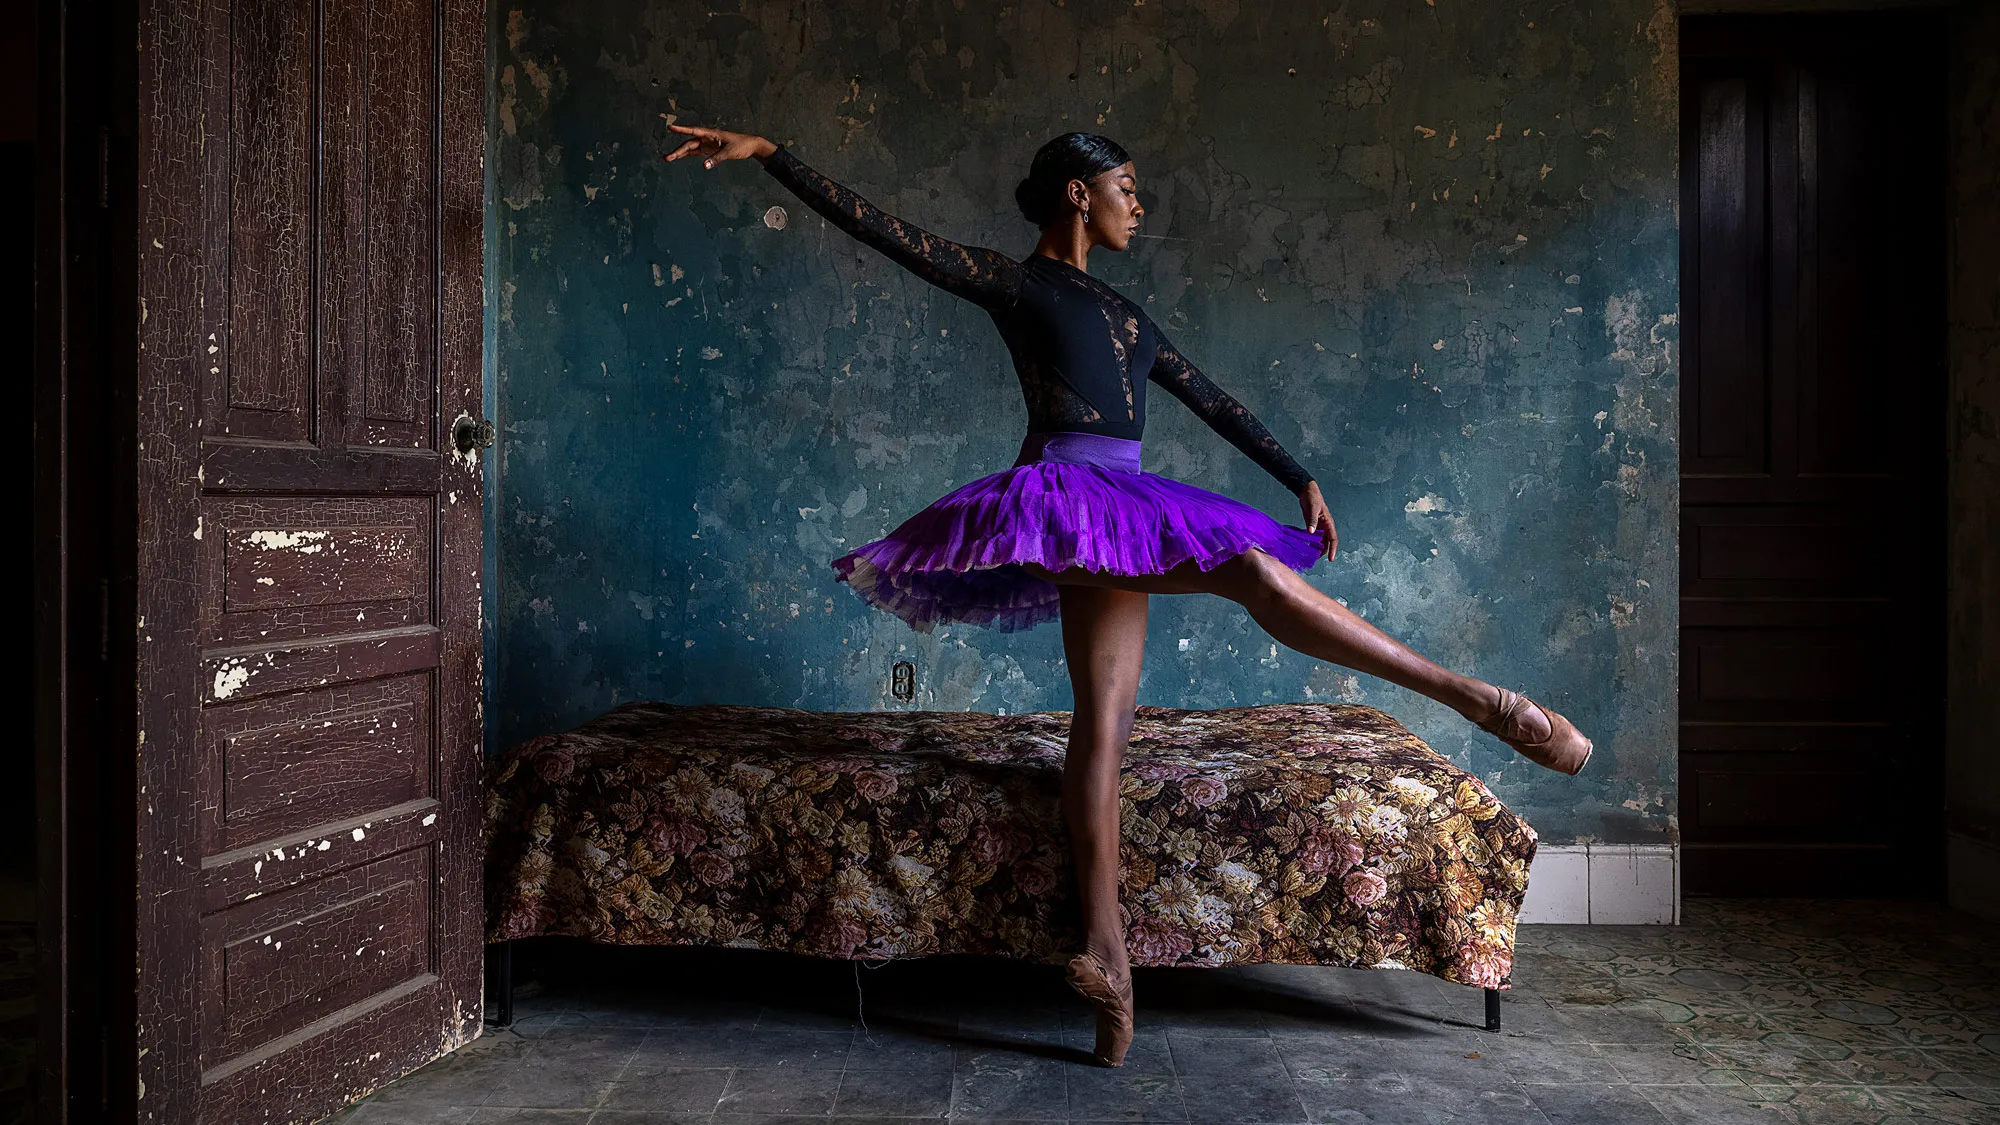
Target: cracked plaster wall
(1432, 245)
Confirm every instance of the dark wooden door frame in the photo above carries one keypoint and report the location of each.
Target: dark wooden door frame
(82, 552)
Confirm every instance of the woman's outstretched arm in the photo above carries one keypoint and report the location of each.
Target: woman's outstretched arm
(985, 277)
(1233, 420)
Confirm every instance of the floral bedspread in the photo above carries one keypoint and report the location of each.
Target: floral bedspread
(1299, 833)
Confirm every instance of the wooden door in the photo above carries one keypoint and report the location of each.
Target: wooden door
(308, 213)
(1812, 454)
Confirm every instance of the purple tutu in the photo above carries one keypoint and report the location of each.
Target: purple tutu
(1071, 499)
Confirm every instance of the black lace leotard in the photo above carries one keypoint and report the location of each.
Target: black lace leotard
(1083, 352)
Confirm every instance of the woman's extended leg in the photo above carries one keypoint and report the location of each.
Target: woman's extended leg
(1104, 640)
(1299, 616)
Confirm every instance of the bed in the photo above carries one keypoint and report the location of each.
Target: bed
(1297, 833)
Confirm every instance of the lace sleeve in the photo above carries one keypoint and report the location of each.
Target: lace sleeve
(1224, 414)
(984, 277)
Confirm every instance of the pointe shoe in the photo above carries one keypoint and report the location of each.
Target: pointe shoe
(1564, 750)
(1114, 1007)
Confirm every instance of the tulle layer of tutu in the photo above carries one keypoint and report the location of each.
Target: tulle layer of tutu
(958, 560)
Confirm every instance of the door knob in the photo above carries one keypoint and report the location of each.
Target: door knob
(469, 434)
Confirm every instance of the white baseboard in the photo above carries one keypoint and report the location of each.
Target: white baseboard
(1605, 885)
(1972, 875)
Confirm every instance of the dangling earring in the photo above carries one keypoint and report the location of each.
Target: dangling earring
(1086, 216)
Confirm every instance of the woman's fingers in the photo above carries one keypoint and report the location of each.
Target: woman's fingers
(694, 147)
(700, 142)
(716, 145)
(1329, 539)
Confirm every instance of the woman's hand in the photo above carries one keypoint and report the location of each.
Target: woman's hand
(716, 145)
(1318, 519)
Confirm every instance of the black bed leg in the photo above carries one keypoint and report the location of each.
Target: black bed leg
(1492, 1009)
(503, 983)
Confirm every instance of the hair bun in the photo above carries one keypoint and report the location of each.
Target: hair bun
(1033, 201)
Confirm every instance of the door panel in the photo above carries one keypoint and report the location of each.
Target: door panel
(1730, 433)
(391, 393)
(277, 568)
(1752, 550)
(309, 820)
(268, 194)
(1812, 478)
(274, 965)
(287, 763)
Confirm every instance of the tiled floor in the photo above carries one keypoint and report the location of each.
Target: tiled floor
(1767, 1012)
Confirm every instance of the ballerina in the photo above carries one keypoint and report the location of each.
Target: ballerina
(1076, 531)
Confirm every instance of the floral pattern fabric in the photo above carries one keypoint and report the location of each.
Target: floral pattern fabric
(1295, 833)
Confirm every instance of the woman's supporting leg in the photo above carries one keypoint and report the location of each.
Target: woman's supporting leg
(1104, 640)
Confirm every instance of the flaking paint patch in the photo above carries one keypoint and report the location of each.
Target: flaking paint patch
(305, 542)
(231, 678)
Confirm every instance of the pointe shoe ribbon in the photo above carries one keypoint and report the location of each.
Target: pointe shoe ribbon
(1564, 749)
(1114, 1007)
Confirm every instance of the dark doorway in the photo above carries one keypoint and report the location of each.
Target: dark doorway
(1813, 454)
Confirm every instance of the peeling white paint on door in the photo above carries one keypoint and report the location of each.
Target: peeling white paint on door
(231, 678)
(305, 542)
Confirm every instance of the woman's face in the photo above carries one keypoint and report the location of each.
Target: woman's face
(1113, 197)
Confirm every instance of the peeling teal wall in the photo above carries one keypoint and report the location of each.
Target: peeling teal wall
(1432, 246)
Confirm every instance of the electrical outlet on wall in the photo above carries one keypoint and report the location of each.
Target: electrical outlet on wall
(903, 680)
